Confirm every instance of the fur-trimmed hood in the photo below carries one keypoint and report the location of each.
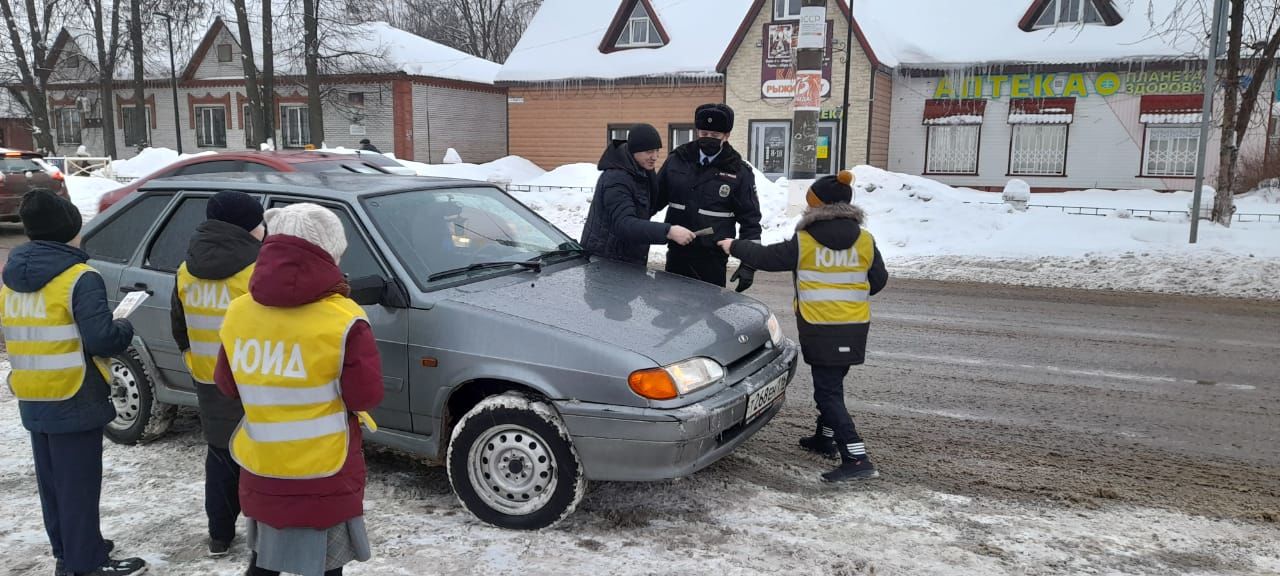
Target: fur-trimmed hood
(836, 226)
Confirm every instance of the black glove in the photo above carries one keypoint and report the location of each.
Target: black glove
(745, 276)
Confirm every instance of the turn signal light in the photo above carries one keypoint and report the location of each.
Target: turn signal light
(653, 384)
(58, 176)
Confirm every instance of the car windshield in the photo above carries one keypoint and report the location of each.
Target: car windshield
(352, 165)
(437, 231)
(12, 165)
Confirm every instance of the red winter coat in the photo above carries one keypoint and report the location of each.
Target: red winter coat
(292, 272)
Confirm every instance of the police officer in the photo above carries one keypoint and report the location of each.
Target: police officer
(836, 268)
(219, 264)
(706, 184)
(54, 310)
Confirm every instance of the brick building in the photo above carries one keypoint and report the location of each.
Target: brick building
(406, 94)
(585, 71)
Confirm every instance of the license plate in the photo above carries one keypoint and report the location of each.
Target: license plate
(761, 399)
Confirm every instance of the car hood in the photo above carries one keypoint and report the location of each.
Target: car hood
(661, 316)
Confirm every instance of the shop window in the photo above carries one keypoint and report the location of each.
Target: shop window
(618, 132)
(66, 122)
(224, 52)
(952, 149)
(295, 126)
(211, 127)
(639, 31)
(1170, 151)
(786, 9)
(135, 137)
(679, 135)
(1038, 150)
(771, 147)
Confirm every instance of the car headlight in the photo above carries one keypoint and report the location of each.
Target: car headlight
(775, 330)
(677, 379)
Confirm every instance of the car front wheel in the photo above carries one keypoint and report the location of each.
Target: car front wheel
(139, 416)
(512, 464)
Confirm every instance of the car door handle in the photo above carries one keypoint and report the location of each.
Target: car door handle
(137, 287)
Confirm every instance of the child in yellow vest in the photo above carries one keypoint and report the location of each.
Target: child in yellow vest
(836, 268)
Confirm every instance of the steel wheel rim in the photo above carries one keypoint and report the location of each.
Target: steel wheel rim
(125, 396)
(512, 469)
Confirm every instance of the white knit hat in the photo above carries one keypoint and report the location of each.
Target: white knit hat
(312, 223)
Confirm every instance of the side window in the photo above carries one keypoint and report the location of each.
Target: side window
(209, 168)
(169, 248)
(359, 260)
(119, 238)
(256, 167)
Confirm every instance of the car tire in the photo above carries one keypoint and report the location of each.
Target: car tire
(140, 418)
(512, 464)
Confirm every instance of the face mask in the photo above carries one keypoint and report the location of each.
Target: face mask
(710, 146)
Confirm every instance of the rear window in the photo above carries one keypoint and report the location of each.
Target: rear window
(119, 238)
(18, 165)
(348, 166)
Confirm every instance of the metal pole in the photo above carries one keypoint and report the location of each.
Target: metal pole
(810, 49)
(844, 110)
(173, 76)
(1206, 118)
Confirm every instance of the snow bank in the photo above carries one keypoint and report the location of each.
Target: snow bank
(581, 175)
(148, 161)
(513, 168)
(85, 191)
(451, 156)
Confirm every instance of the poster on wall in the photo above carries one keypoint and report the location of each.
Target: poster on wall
(809, 90)
(777, 70)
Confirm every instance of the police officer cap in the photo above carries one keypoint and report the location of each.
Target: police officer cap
(714, 117)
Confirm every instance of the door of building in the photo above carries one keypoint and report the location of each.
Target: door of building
(828, 148)
(771, 148)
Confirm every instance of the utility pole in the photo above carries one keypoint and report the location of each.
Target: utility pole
(173, 77)
(1206, 118)
(810, 48)
(844, 108)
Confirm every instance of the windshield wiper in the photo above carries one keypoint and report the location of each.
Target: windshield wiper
(535, 266)
(576, 251)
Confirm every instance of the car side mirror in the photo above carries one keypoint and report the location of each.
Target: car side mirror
(376, 290)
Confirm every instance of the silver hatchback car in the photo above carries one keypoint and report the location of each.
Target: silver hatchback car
(524, 366)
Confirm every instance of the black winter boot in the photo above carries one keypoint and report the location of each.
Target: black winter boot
(822, 443)
(125, 567)
(61, 570)
(854, 464)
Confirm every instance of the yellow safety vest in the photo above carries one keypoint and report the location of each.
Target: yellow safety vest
(40, 331)
(831, 285)
(204, 303)
(287, 364)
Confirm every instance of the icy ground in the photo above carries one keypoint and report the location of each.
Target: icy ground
(926, 229)
(747, 514)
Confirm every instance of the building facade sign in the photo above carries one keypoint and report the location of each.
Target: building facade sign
(1068, 85)
(777, 69)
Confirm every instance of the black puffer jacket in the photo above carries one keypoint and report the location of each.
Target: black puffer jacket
(30, 267)
(836, 226)
(721, 196)
(626, 197)
(218, 250)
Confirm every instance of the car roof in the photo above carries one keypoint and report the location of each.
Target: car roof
(324, 185)
(285, 156)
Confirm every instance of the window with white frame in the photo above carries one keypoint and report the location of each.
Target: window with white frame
(246, 124)
(786, 9)
(211, 126)
(1059, 12)
(295, 126)
(619, 131)
(952, 149)
(1170, 150)
(680, 135)
(1038, 150)
(66, 122)
(135, 137)
(639, 30)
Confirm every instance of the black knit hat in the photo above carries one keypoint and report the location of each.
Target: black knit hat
(834, 189)
(643, 138)
(47, 216)
(235, 207)
(714, 117)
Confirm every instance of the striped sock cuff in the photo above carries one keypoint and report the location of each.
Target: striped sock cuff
(856, 449)
(828, 432)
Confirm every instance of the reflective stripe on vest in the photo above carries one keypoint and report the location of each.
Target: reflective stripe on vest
(287, 364)
(831, 285)
(204, 303)
(44, 345)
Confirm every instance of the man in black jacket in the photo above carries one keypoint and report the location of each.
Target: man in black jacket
(220, 260)
(626, 197)
(837, 268)
(62, 393)
(706, 184)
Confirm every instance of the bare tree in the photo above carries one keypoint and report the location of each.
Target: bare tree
(268, 70)
(34, 60)
(311, 56)
(137, 129)
(256, 119)
(489, 29)
(107, 41)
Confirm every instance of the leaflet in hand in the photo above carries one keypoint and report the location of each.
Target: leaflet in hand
(129, 303)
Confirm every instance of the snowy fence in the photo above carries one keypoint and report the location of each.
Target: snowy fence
(1138, 212)
(82, 165)
(527, 188)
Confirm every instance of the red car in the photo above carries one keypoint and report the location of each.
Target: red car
(249, 161)
(21, 171)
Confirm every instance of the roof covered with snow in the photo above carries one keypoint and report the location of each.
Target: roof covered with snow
(950, 33)
(563, 41)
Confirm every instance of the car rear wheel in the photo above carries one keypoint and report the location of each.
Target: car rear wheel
(139, 416)
(511, 464)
